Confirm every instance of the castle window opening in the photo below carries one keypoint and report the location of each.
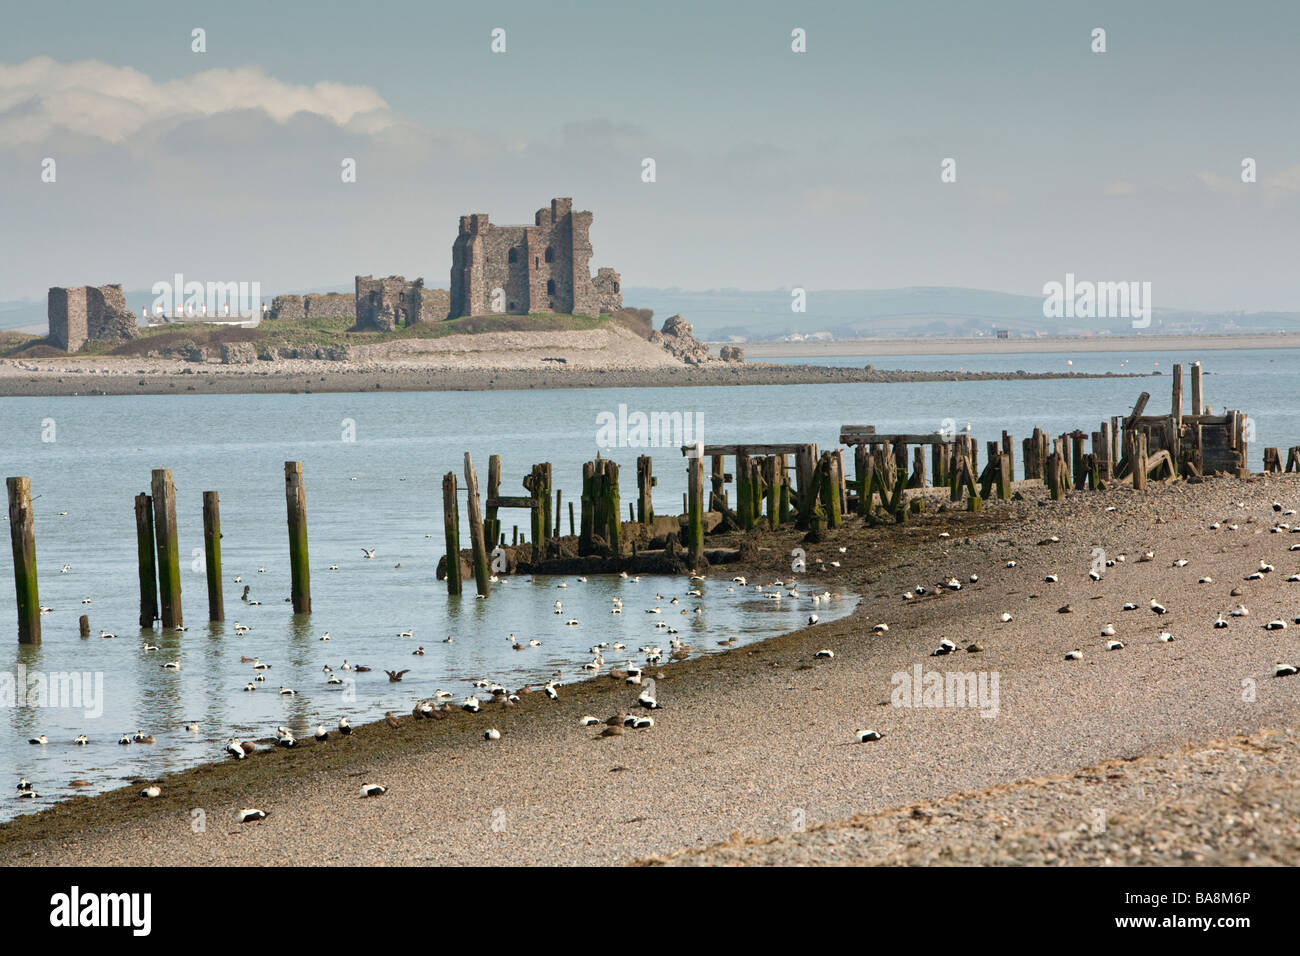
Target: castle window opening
(550, 287)
(550, 254)
(511, 257)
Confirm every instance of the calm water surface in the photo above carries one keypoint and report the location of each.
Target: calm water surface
(103, 449)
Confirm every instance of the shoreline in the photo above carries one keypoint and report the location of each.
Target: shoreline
(1022, 346)
(735, 719)
(118, 376)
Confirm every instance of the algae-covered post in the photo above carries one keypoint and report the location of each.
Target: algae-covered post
(695, 510)
(476, 542)
(144, 535)
(296, 499)
(22, 534)
(644, 484)
(169, 558)
(212, 554)
(491, 524)
(451, 531)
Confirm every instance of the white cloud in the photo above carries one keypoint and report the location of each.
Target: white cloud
(113, 103)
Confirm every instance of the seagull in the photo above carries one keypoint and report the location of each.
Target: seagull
(373, 790)
(866, 736)
(368, 552)
(248, 816)
(395, 676)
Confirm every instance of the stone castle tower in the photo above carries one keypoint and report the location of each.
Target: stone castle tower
(544, 267)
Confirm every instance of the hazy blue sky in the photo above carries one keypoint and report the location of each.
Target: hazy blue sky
(774, 169)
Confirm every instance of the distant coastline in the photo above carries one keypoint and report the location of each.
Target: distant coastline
(995, 346)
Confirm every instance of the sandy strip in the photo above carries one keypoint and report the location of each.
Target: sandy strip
(757, 739)
(996, 346)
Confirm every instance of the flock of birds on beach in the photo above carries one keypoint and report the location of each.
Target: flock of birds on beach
(640, 667)
(484, 693)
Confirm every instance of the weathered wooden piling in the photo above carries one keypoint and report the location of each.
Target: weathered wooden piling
(613, 509)
(169, 558)
(212, 555)
(22, 535)
(744, 490)
(451, 532)
(146, 561)
(1198, 396)
(831, 501)
(83, 625)
(588, 508)
(572, 532)
(1140, 462)
(644, 488)
(295, 495)
(491, 523)
(694, 510)
(772, 477)
(862, 472)
(477, 543)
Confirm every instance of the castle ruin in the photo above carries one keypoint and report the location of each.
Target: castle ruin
(525, 270)
(79, 314)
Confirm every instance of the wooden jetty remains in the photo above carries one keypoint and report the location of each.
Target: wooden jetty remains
(793, 486)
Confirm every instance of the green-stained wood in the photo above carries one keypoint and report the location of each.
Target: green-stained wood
(146, 560)
(491, 523)
(451, 532)
(478, 548)
(588, 508)
(744, 490)
(169, 558)
(295, 494)
(694, 511)
(22, 534)
(613, 509)
(212, 554)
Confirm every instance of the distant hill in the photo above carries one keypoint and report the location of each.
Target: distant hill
(939, 311)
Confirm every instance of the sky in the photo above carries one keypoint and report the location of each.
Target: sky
(773, 169)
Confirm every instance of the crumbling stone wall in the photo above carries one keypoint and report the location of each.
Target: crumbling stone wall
(79, 314)
(731, 353)
(383, 304)
(329, 305)
(287, 307)
(609, 290)
(544, 267)
(435, 304)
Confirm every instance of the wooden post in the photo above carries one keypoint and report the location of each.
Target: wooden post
(717, 483)
(744, 490)
(546, 501)
(169, 559)
(783, 493)
(491, 523)
(22, 535)
(805, 463)
(295, 496)
(1140, 461)
(1177, 395)
(644, 484)
(212, 554)
(83, 625)
(831, 496)
(1198, 398)
(695, 511)
(559, 511)
(451, 532)
(477, 543)
(772, 476)
(588, 507)
(571, 531)
(918, 468)
(1107, 463)
(613, 508)
(146, 562)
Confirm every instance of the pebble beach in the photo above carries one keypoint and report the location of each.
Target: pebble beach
(754, 757)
